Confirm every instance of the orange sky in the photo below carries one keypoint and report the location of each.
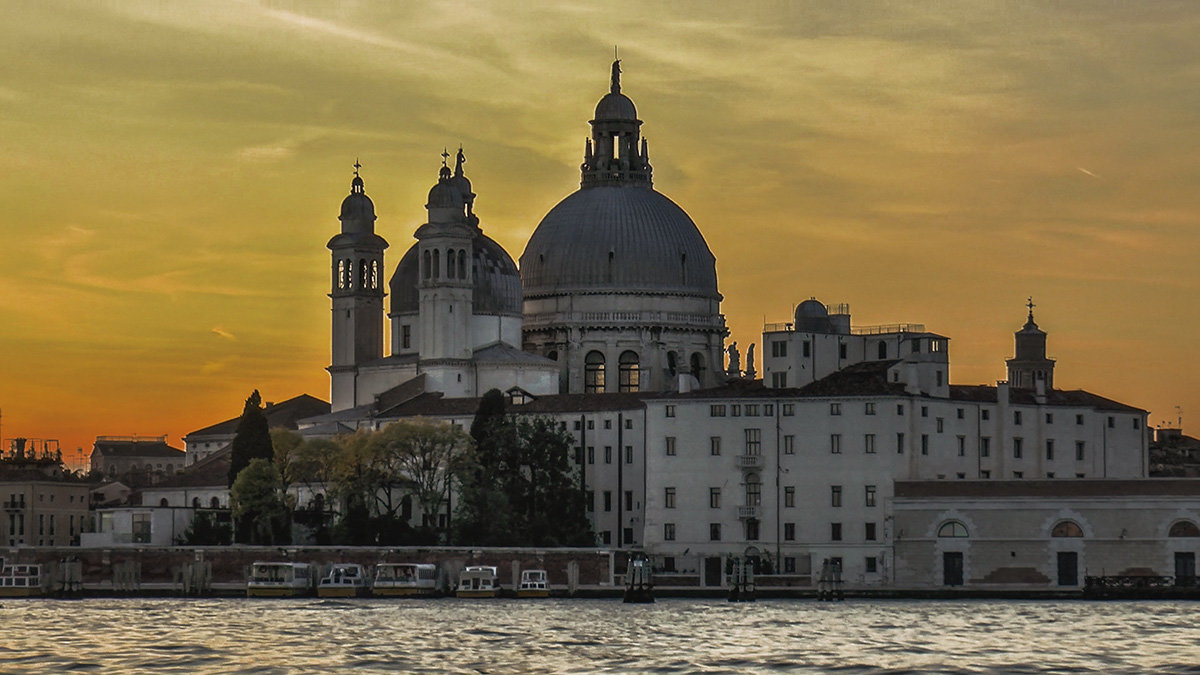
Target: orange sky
(173, 172)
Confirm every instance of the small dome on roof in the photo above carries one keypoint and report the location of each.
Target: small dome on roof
(358, 211)
(615, 106)
(444, 194)
(813, 317)
(497, 284)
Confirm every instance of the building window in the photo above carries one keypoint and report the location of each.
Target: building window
(669, 411)
(593, 373)
(789, 409)
(1018, 447)
(1112, 422)
(591, 424)
(406, 337)
(789, 532)
(869, 444)
(835, 408)
(869, 533)
(1079, 420)
(1079, 451)
(1049, 418)
(606, 537)
(141, 528)
(714, 445)
(591, 454)
(714, 497)
(716, 410)
(789, 445)
(1018, 474)
(607, 424)
(768, 409)
(900, 443)
(805, 349)
(753, 491)
(789, 496)
(735, 410)
(670, 446)
(714, 532)
(778, 348)
(835, 496)
(608, 454)
(1136, 423)
(941, 425)
(628, 503)
(669, 498)
(1066, 528)
(629, 454)
(938, 377)
(899, 408)
(835, 531)
(753, 441)
(778, 380)
(1049, 449)
(1017, 417)
(959, 413)
(789, 565)
(751, 410)
(869, 408)
(985, 447)
(985, 415)
(628, 372)
(668, 531)
(752, 530)
(835, 444)
(869, 495)
(607, 500)
(952, 529)
(590, 498)
(924, 444)
(962, 446)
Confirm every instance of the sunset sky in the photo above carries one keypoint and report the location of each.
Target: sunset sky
(173, 171)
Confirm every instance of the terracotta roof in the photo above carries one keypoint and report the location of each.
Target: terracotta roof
(1067, 487)
(211, 471)
(284, 414)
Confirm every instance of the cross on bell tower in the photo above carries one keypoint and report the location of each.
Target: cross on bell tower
(1029, 368)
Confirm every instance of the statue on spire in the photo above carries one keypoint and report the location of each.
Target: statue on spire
(616, 76)
(459, 160)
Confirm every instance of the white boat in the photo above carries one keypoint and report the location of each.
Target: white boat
(404, 579)
(534, 584)
(20, 581)
(280, 579)
(345, 580)
(478, 581)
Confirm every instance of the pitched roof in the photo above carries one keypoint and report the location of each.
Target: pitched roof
(1076, 398)
(135, 448)
(211, 471)
(284, 414)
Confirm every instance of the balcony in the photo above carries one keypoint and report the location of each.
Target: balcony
(14, 505)
(748, 512)
(750, 462)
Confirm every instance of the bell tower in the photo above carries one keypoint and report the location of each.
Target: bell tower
(356, 293)
(616, 154)
(1030, 369)
(446, 249)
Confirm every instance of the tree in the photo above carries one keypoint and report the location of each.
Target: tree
(285, 443)
(252, 439)
(258, 505)
(422, 455)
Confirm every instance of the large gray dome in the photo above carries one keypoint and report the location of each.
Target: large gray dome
(618, 238)
(497, 283)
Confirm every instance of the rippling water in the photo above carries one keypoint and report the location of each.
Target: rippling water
(584, 636)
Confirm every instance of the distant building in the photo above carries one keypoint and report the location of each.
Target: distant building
(140, 460)
(43, 504)
(204, 442)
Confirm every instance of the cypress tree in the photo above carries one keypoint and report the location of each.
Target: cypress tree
(252, 439)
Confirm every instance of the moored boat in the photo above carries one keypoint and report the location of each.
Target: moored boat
(478, 581)
(404, 579)
(20, 581)
(280, 580)
(344, 580)
(534, 584)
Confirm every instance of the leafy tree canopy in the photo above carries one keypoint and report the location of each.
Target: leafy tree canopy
(252, 439)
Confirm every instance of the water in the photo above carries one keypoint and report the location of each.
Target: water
(585, 636)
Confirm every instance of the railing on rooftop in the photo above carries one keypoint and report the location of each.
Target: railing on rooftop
(131, 439)
(886, 328)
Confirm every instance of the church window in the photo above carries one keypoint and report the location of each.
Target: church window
(362, 273)
(462, 264)
(427, 268)
(1184, 528)
(406, 337)
(1066, 528)
(672, 364)
(450, 260)
(593, 373)
(341, 274)
(882, 350)
(806, 349)
(698, 367)
(374, 274)
(437, 264)
(952, 529)
(629, 375)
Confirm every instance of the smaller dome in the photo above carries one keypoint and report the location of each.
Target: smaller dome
(358, 211)
(615, 106)
(444, 194)
(813, 317)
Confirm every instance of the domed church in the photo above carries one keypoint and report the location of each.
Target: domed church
(617, 289)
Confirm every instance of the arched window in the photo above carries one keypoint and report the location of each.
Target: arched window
(215, 503)
(552, 355)
(672, 364)
(753, 490)
(1184, 528)
(1066, 528)
(362, 273)
(698, 367)
(343, 273)
(593, 373)
(437, 264)
(374, 274)
(195, 502)
(450, 260)
(629, 375)
(462, 263)
(164, 502)
(425, 269)
(952, 528)
(882, 350)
